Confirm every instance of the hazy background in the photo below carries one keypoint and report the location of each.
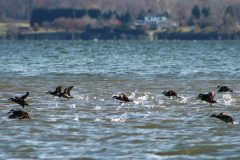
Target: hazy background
(179, 10)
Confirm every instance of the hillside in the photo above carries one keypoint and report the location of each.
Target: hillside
(179, 10)
(202, 19)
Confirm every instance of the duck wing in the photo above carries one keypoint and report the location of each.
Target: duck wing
(58, 89)
(12, 116)
(228, 89)
(124, 97)
(18, 99)
(25, 96)
(67, 90)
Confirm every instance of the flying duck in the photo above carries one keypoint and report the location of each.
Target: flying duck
(170, 93)
(18, 114)
(56, 92)
(122, 97)
(207, 97)
(66, 93)
(224, 89)
(20, 100)
(224, 117)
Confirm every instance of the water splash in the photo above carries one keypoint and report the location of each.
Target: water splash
(56, 105)
(76, 118)
(160, 101)
(133, 95)
(227, 99)
(141, 99)
(52, 119)
(120, 119)
(99, 120)
(72, 105)
(235, 122)
(183, 100)
(102, 99)
(147, 115)
(98, 108)
(79, 97)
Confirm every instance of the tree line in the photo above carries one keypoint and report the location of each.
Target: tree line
(201, 16)
(41, 15)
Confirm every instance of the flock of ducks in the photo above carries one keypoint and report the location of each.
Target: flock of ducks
(19, 114)
(209, 98)
(58, 92)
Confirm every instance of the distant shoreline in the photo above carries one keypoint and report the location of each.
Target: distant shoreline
(123, 34)
(100, 36)
(198, 36)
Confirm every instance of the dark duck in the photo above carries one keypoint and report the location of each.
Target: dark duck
(56, 92)
(123, 98)
(224, 89)
(20, 100)
(209, 97)
(18, 114)
(66, 94)
(224, 117)
(170, 93)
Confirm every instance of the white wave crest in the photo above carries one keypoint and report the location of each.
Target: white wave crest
(235, 122)
(99, 120)
(98, 108)
(76, 118)
(227, 99)
(183, 100)
(141, 99)
(72, 105)
(119, 119)
(82, 97)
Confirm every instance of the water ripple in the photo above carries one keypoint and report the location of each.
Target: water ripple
(92, 125)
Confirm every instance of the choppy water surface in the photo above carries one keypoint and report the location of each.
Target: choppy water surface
(95, 126)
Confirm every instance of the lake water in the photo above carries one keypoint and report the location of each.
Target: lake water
(95, 126)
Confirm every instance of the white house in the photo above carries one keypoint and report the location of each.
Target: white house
(156, 22)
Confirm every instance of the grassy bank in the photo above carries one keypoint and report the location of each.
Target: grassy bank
(5, 26)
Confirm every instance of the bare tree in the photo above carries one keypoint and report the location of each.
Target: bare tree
(179, 10)
(12, 31)
(36, 27)
(46, 25)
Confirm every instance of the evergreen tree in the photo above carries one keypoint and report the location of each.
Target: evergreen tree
(107, 15)
(196, 12)
(206, 12)
(80, 13)
(126, 18)
(94, 13)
